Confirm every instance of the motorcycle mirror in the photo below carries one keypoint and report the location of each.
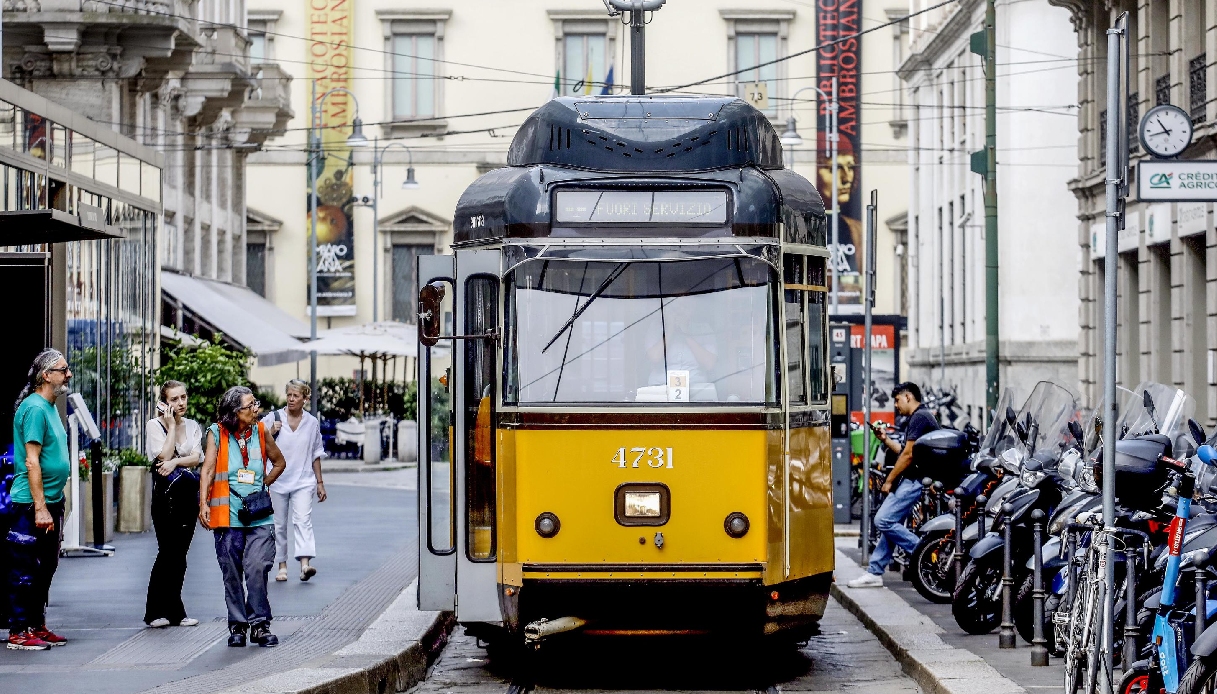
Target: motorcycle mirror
(1011, 415)
(1076, 430)
(1148, 401)
(1021, 430)
(1197, 431)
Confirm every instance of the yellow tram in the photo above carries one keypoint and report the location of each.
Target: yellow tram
(624, 423)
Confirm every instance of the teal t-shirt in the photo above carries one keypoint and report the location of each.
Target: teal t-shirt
(256, 463)
(37, 421)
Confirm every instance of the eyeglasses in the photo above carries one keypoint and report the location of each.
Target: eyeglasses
(62, 369)
(254, 406)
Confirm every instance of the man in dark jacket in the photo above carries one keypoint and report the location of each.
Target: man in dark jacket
(903, 488)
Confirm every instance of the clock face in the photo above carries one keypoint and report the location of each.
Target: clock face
(1166, 131)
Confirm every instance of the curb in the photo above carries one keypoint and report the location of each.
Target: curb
(915, 641)
(392, 655)
(353, 466)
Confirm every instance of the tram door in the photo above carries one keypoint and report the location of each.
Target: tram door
(467, 563)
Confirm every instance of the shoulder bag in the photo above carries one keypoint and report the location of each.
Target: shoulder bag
(256, 505)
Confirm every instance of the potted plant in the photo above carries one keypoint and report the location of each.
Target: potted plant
(134, 490)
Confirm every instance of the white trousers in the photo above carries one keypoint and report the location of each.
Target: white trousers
(294, 508)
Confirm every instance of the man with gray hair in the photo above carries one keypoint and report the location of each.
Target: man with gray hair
(42, 468)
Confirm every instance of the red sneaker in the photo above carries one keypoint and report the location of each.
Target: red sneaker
(26, 641)
(49, 636)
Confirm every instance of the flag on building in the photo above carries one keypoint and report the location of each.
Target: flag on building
(608, 82)
(557, 84)
(587, 81)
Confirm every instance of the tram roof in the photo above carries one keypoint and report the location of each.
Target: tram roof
(669, 132)
(643, 143)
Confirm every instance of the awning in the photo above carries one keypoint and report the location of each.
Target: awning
(27, 227)
(241, 316)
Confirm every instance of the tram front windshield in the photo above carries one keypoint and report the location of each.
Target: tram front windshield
(686, 332)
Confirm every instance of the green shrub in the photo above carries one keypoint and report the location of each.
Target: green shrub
(207, 370)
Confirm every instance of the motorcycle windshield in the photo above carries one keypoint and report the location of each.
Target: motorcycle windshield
(1172, 408)
(1094, 426)
(999, 427)
(1045, 417)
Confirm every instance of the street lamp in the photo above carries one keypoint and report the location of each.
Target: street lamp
(315, 156)
(791, 138)
(408, 184)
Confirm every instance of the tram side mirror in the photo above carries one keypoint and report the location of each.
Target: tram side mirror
(430, 301)
(1197, 431)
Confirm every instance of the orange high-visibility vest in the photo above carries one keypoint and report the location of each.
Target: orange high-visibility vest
(219, 486)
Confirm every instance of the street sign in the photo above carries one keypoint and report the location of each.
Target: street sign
(757, 94)
(1180, 181)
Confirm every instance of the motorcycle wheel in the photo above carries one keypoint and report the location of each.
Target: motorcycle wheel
(932, 567)
(1024, 614)
(1200, 677)
(976, 604)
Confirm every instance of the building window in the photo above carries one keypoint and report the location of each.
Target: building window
(751, 50)
(414, 76)
(584, 65)
(260, 30)
(405, 280)
(1162, 90)
(255, 268)
(755, 37)
(1197, 68)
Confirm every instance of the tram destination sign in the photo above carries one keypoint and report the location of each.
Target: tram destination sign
(1174, 180)
(641, 206)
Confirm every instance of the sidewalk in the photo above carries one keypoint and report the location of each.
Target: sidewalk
(1005, 671)
(366, 559)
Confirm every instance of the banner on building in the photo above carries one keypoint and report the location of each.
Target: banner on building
(843, 60)
(329, 33)
(1177, 180)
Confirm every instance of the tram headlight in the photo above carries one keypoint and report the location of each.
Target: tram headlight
(736, 524)
(642, 504)
(547, 525)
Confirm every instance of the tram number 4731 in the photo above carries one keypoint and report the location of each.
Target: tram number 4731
(654, 457)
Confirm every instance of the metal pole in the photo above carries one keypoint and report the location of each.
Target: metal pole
(1131, 651)
(96, 477)
(375, 228)
(836, 202)
(1006, 635)
(1200, 563)
(866, 349)
(981, 502)
(314, 153)
(638, 52)
(959, 499)
(1110, 268)
(992, 303)
(1039, 645)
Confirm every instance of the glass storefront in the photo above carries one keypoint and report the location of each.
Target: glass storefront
(109, 309)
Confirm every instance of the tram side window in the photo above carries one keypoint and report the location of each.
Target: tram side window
(795, 280)
(817, 329)
(481, 317)
(438, 453)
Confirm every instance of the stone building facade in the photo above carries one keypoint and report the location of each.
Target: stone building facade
(175, 75)
(945, 96)
(1167, 310)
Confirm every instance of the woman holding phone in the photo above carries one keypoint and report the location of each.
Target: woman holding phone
(175, 445)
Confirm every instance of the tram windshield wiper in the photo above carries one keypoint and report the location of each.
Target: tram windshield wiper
(580, 309)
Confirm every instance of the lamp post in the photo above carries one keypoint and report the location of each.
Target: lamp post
(316, 156)
(791, 138)
(409, 184)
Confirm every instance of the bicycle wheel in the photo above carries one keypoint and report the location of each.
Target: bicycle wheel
(1075, 630)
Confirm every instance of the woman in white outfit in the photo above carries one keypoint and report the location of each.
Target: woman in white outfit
(298, 434)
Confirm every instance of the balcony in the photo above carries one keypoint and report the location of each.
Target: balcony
(219, 76)
(116, 39)
(269, 108)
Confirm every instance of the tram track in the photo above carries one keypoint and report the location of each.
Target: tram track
(845, 657)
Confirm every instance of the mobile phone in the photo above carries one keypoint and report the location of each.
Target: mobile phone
(876, 426)
(162, 408)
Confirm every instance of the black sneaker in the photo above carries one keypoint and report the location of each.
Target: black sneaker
(236, 636)
(260, 634)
